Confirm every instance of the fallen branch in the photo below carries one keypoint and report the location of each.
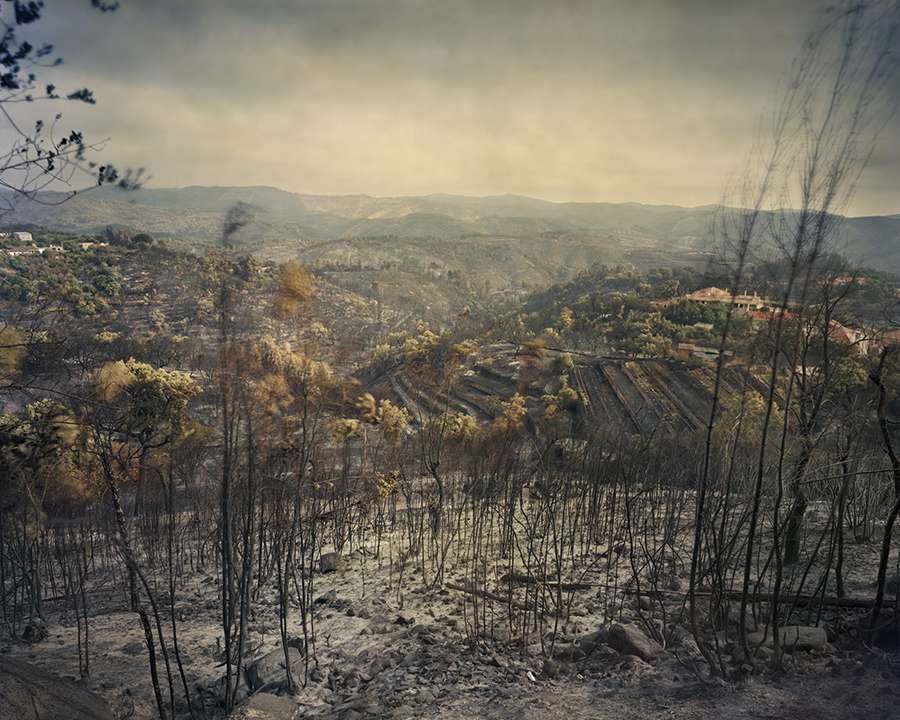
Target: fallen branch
(519, 579)
(488, 595)
(802, 600)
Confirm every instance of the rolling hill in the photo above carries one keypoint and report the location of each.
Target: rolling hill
(538, 240)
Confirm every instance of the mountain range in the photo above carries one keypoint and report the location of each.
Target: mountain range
(560, 237)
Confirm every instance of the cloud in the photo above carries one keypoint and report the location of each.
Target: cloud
(650, 101)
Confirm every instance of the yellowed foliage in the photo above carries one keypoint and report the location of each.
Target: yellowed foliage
(512, 412)
(112, 378)
(462, 426)
(368, 410)
(386, 483)
(465, 348)
(343, 428)
(107, 336)
(296, 286)
(296, 281)
(552, 413)
(394, 420)
(534, 349)
(302, 373)
(271, 392)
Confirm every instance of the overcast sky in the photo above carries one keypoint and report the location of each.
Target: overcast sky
(653, 101)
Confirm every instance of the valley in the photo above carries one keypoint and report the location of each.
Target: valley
(507, 360)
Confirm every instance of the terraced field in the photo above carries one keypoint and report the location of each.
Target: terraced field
(631, 396)
(601, 402)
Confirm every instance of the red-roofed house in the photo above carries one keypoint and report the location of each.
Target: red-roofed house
(714, 295)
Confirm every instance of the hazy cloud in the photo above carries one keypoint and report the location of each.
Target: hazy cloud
(651, 101)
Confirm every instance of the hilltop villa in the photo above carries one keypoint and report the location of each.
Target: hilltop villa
(714, 295)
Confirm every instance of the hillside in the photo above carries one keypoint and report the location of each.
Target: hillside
(614, 394)
(290, 223)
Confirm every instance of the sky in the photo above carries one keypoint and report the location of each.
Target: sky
(653, 101)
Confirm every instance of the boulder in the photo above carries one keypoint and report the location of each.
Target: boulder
(28, 692)
(34, 632)
(331, 562)
(631, 640)
(589, 642)
(265, 706)
(269, 670)
(570, 652)
(793, 637)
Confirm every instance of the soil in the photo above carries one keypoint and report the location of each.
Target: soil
(387, 648)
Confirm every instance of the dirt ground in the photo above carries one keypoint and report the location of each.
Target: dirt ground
(391, 649)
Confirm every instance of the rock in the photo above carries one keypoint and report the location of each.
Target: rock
(265, 706)
(329, 598)
(498, 661)
(604, 653)
(355, 703)
(331, 562)
(631, 664)
(34, 632)
(361, 610)
(570, 653)
(590, 641)
(551, 668)
(28, 692)
(630, 640)
(269, 670)
(793, 637)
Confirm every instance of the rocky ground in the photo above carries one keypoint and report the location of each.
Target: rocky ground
(387, 648)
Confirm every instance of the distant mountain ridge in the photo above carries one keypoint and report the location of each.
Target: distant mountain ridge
(285, 219)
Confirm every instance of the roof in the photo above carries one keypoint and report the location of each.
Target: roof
(714, 294)
(710, 293)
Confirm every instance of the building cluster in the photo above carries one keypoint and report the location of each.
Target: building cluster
(718, 296)
(25, 245)
(23, 238)
(762, 309)
(32, 250)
